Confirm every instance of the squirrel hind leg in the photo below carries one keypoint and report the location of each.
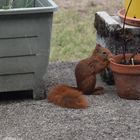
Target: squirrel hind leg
(87, 86)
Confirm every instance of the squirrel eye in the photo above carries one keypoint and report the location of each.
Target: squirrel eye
(104, 53)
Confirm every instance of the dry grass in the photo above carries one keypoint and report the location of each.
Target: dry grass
(83, 5)
(74, 36)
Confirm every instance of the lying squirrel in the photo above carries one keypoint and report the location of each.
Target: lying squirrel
(85, 73)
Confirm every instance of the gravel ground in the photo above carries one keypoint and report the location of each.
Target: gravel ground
(107, 118)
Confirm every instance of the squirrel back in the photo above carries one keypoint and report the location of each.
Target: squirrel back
(86, 69)
(66, 96)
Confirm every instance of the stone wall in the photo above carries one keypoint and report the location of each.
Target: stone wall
(110, 33)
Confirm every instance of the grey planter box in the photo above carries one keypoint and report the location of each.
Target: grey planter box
(25, 46)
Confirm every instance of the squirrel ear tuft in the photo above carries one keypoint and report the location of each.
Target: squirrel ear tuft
(98, 47)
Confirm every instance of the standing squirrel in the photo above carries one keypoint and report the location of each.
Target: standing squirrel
(85, 73)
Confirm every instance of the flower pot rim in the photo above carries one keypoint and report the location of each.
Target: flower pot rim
(124, 69)
(121, 55)
(129, 20)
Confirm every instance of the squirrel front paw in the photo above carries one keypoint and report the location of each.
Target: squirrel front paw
(98, 91)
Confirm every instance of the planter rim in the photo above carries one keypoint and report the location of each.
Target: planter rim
(124, 69)
(129, 20)
(43, 9)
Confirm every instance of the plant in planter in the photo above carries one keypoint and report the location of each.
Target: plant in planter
(9, 4)
(126, 70)
(25, 33)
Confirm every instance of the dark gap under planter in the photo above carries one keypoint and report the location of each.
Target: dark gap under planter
(127, 77)
(16, 95)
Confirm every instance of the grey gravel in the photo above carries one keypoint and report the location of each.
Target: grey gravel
(107, 118)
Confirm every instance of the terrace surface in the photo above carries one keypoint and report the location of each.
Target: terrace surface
(107, 118)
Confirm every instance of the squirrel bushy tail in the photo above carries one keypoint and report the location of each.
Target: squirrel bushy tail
(85, 74)
(69, 97)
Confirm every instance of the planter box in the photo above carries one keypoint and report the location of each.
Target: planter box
(25, 46)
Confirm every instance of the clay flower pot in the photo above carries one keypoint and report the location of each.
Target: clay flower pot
(127, 77)
(129, 20)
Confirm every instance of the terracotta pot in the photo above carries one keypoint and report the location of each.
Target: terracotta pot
(127, 77)
(129, 20)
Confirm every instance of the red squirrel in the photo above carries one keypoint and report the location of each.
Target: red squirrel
(85, 73)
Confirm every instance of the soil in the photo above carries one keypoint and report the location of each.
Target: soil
(130, 63)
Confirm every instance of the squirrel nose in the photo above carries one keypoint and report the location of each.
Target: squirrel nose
(110, 56)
